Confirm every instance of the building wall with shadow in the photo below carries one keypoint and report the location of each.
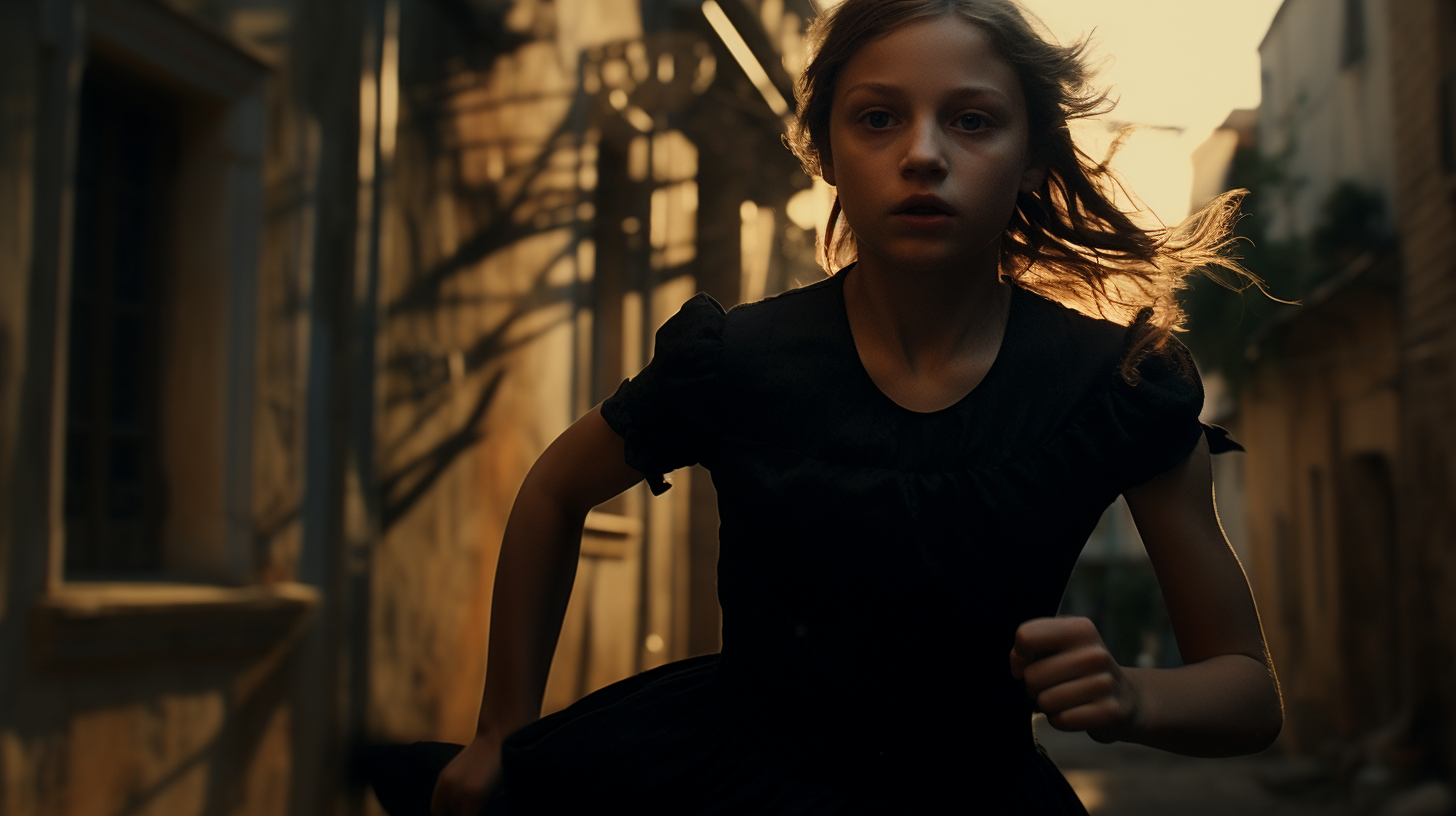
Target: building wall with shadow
(1344, 397)
(292, 294)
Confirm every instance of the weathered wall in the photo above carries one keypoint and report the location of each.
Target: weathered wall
(475, 215)
(1427, 217)
(1324, 121)
(558, 193)
(19, 61)
(1348, 414)
(1321, 406)
(140, 697)
(478, 337)
(1333, 494)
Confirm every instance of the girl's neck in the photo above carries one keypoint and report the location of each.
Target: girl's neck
(929, 317)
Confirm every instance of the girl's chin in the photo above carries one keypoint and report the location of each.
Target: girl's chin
(931, 258)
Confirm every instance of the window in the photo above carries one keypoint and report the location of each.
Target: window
(1352, 49)
(158, 368)
(1446, 90)
(124, 173)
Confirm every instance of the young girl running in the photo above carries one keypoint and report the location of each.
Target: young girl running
(908, 457)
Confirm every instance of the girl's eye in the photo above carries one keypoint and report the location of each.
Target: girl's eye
(971, 121)
(878, 120)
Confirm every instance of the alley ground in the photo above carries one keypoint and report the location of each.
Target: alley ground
(1132, 780)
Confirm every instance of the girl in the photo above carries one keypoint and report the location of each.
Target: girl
(908, 457)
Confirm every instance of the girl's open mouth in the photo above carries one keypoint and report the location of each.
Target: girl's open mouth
(924, 207)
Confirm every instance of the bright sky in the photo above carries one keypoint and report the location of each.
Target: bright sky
(1176, 67)
(1172, 64)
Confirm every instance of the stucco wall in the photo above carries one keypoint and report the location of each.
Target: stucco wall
(1322, 122)
(1428, 340)
(445, 280)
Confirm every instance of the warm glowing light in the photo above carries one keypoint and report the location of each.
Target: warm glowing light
(809, 209)
(638, 118)
(744, 55)
(1089, 788)
(1178, 69)
(389, 83)
(756, 246)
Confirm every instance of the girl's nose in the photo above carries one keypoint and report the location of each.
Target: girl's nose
(924, 154)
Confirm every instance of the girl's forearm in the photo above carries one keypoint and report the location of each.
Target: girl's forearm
(532, 585)
(1224, 706)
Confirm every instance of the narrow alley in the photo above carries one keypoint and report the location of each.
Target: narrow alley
(1123, 779)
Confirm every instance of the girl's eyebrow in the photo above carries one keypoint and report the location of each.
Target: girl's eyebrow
(966, 91)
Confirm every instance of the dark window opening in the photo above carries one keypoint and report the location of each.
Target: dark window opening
(1444, 122)
(1353, 48)
(1318, 533)
(125, 167)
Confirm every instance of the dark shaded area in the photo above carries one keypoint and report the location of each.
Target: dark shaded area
(114, 490)
(1122, 597)
(403, 776)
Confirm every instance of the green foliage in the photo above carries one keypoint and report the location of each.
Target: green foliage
(1352, 222)
(1223, 323)
(1222, 319)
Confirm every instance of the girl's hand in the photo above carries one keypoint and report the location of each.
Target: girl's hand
(469, 780)
(1073, 679)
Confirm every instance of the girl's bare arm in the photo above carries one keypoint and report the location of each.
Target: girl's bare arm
(584, 467)
(579, 470)
(1225, 699)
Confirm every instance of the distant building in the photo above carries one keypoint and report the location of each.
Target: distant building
(1345, 401)
(291, 296)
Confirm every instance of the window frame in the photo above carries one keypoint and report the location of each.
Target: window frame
(150, 37)
(114, 624)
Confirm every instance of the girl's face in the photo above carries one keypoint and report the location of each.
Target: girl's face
(929, 146)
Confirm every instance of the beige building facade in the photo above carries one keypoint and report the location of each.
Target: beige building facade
(292, 294)
(1346, 400)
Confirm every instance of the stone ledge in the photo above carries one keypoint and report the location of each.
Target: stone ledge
(85, 624)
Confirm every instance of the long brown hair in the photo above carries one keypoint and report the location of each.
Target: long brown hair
(1068, 240)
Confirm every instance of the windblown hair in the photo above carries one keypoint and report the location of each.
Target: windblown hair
(1068, 240)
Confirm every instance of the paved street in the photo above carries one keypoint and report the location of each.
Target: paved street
(1132, 780)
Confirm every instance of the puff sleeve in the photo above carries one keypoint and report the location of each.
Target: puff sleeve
(665, 413)
(1156, 417)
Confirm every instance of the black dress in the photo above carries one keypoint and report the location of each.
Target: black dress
(875, 563)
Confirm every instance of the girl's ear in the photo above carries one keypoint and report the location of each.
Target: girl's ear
(826, 170)
(1032, 178)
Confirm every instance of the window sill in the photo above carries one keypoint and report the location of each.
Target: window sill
(85, 624)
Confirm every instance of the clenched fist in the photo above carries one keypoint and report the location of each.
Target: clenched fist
(1073, 679)
(467, 783)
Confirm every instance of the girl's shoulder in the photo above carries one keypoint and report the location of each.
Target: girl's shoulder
(735, 347)
(1098, 344)
(1047, 345)
(821, 293)
(1062, 348)
(1064, 364)
(803, 317)
(1138, 419)
(1061, 322)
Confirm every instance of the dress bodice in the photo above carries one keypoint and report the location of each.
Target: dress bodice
(875, 561)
